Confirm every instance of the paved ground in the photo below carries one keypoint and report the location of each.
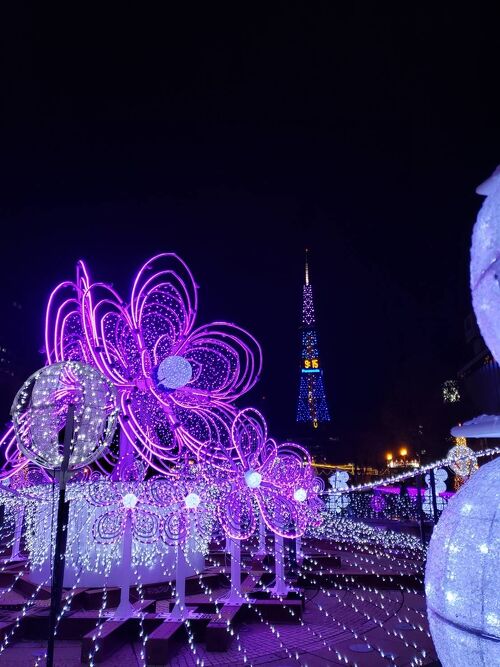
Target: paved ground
(359, 625)
(326, 638)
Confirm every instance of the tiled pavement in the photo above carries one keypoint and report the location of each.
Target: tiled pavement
(333, 625)
(313, 645)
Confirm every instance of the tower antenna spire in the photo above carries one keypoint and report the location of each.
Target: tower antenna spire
(307, 267)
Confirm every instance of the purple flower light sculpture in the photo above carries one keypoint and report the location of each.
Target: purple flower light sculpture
(188, 505)
(263, 478)
(176, 383)
(121, 499)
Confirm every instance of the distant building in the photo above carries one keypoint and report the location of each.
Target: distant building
(312, 407)
(313, 413)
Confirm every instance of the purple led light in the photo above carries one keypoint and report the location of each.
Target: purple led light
(176, 391)
(260, 477)
(128, 343)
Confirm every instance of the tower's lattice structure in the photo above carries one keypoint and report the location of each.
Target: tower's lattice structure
(312, 407)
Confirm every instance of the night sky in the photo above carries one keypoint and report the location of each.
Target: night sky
(236, 135)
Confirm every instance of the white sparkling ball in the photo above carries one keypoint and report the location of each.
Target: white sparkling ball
(174, 372)
(462, 577)
(41, 408)
(129, 501)
(463, 461)
(192, 500)
(253, 479)
(300, 495)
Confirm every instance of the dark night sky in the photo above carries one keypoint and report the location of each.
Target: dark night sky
(237, 135)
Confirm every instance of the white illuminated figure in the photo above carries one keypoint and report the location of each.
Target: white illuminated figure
(485, 264)
(174, 372)
(440, 477)
(462, 577)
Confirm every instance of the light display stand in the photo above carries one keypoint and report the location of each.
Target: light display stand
(125, 609)
(298, 549)
(261, 549)
(18, 531)
(181, 572)
(421, 518)
(61, 536)
(280, 587)
(235, 596)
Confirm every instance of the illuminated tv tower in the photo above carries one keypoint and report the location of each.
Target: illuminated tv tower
(312, 407)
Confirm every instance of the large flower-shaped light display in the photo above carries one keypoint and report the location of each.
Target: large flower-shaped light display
(176, 383)
(263, 478)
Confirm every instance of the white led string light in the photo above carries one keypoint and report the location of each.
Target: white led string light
(492, 451)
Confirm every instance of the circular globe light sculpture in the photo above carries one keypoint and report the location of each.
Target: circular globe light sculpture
(462, 577)
(40, 412)
(463, 461)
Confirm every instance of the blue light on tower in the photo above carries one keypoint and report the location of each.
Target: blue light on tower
(312, 407)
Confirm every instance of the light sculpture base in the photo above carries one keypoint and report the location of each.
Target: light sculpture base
(125, 608)
(280, 588)
(261, 549)
(86, 567)
(180, 612)
(235, 595)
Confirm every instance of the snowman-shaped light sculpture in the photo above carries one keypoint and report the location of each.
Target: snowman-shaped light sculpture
(462, 577)
(485, 264)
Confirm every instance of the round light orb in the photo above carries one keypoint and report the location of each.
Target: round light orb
(300, 495)
(40, 413)
(174, 372)
(253, 479)
(462, 577)
(129, 501)
(192, 500)
(463, 460)
(485, 264)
